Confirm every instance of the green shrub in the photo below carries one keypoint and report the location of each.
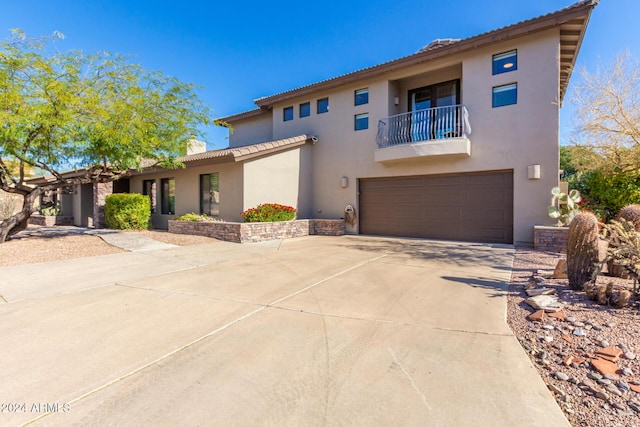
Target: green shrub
(50, 211)
(606, 193)
(269, 212)
(194, 217)
(127, 211)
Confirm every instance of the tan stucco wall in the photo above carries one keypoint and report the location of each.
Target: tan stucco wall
(506, 138)
(283, 178)
(188, 188)
(253, 131)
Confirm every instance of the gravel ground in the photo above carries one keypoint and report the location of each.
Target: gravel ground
(563, 359)
(34, 247)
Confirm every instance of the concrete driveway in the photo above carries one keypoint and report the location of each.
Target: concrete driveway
(312, 331)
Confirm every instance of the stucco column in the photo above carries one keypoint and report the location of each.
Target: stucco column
(100, 192)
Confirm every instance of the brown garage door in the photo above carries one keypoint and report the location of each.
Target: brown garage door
(473, 207)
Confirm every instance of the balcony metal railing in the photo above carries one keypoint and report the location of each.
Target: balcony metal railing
(424, 125)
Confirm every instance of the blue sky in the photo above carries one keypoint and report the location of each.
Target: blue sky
(239, 51)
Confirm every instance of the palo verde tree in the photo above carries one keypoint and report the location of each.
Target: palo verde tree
(608, 118)
(98, 114)
(604, 162)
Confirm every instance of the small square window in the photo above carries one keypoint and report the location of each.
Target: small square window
(287, 114)
(362, 121)
(505, 62)
(505, 95)
(305, 109)
(362, 96)
(323, 105)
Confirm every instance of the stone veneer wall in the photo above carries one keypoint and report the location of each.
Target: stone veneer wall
(550, 239)
(100, 192)
(253, 232)
(50, 220)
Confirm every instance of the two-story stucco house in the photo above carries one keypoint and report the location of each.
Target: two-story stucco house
(458, 141)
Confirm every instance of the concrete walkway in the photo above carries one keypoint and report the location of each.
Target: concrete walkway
(311, 331)
(127, 240)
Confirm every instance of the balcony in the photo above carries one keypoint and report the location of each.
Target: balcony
(440, 131)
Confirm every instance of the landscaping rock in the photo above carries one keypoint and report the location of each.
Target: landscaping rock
(544, 302)
(579, 332)
(605, 367)
(612, 354)
(537, 316)
(540, 291)
(560, 272)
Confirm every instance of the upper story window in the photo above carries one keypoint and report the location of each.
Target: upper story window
(287, 114)
(505, 95)
(361, 96)
(505, 62)
(323, 105)
(305, 109)
(361, 121)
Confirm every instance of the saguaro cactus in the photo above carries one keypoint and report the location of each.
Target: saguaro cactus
(630, 213)
(582, 249)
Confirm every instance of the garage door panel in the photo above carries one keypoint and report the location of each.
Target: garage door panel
(470, 207)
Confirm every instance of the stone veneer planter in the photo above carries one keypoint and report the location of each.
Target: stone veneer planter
(252, 232)
(50, 220)
(550, 239)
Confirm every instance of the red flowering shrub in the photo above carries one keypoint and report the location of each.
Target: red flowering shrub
(269, 212)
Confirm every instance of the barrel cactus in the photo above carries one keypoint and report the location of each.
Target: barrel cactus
(629, 213)
(582, 249)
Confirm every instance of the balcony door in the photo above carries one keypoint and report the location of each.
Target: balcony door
(427, 121)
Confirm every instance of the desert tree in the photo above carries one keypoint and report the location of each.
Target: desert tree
(607, 101)
(99, 114)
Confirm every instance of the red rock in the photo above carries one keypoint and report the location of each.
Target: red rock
(610, 353)
(605, 367)
(568, 360)
(635, 388)
(560, 315)
(567, 338)
(538, 316)
(578, 360)
(560, 272)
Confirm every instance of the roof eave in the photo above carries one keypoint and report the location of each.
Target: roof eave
(244, 115)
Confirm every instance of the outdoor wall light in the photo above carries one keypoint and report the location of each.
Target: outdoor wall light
(396, 101)
(533, 172)
(344, 182)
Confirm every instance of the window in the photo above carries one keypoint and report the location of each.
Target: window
(362, 96)
(505, 95)
(305, 109)
(323, 105)
(287, 114)
(362, 121)
(210, 194)
(168, 196)
(505, 62)
(149, 189)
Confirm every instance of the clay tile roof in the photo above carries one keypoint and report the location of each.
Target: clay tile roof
(240, 153)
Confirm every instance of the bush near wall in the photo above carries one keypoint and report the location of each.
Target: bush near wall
(269, 212)
(127, 211)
